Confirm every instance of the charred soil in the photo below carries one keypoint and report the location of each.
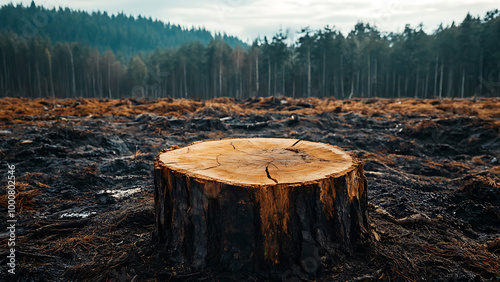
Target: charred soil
(85, 186)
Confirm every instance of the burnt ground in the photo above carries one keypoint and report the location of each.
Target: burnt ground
(85, 186)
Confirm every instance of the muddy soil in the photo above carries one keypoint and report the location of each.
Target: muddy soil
(85, 188)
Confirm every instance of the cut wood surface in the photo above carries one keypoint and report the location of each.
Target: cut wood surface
(244, 203)
(259, 161)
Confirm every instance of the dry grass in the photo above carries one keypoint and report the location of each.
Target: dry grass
(24, 197)
(379, 157)
(473, 258)
(69, 244)
(15, 108)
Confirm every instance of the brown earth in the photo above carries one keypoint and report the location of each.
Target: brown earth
(85, 192)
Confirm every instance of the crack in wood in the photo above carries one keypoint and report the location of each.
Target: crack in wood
(274, 165)
(292, 150)
(210, 167)
(233, 145)
(218, 164)
(242, 151)
(303, 155)
(269, 175)
(296, 143)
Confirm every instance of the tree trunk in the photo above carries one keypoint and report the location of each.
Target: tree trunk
(308, 71)
(238, 80)
(99, 78)
(369, 84)
(386, 92)
(185, 78)
(19, 81)
(375, 79)
(342, 75)
(118, 86)
(109, 77)
(450, 82)
(426, 81)
(220, 77)
(6, 83)
(275, 80)
(243, 204)
(215, 86)
(93, 85)
(399, 86)
(158, 87)
(406, 84)
(29, 85)
(50, 75)
(283, 80)
(323, 83)
(352, 88)
(257, 73)
(393, 83)
(436, 76)
(462, 90)
(333, 79)
(174, 89)
(416, 83)
(441, 82)
(481, 72)
(240, 87)
(39, 95)
(2, 89)
(269, 77)
(73, 85)
(357, 82)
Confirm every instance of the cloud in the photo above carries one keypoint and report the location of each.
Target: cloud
(251, 19)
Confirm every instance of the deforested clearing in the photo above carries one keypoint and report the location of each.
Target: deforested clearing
(85, 185)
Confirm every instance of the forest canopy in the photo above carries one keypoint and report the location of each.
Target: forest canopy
(119, 33)
(66, 53)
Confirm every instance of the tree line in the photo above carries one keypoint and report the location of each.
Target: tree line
(120, 33)
(455, 61)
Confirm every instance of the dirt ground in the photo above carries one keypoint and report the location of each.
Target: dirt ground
(85, 188)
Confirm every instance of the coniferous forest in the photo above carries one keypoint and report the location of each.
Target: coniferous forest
(65, 53)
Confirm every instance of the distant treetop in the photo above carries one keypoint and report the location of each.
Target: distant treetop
(120, 33)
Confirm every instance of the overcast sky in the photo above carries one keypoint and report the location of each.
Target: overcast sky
(249, 19)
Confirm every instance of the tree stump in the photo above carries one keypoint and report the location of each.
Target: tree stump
(243, 203)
